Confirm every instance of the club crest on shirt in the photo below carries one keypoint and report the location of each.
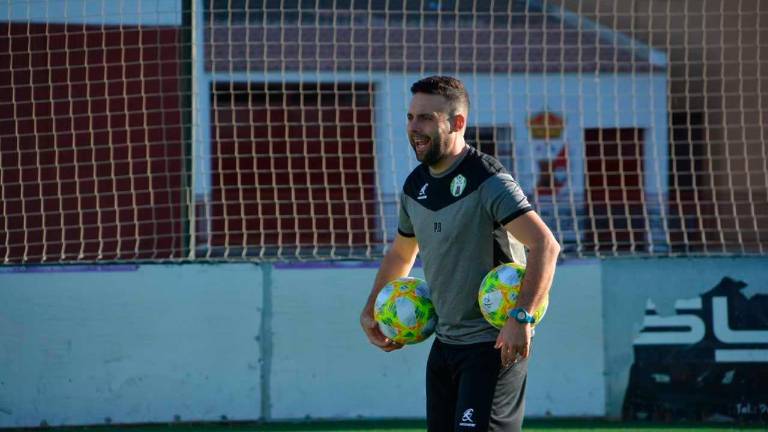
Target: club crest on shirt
(458, 184)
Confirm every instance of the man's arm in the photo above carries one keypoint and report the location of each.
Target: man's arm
(515, 338)
(397, 262)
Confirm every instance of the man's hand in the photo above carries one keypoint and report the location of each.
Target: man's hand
(514, 341)
(375, 336)
(397, 262)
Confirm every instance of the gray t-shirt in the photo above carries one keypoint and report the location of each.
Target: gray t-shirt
(457, 218)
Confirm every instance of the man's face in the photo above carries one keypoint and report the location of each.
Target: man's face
(429, 127)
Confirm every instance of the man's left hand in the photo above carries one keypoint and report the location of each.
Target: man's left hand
(514, 341)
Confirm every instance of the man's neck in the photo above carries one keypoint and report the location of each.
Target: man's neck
(458, 149)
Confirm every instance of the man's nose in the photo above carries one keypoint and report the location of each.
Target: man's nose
(412, 126)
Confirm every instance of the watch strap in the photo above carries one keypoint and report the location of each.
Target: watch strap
(522, 316)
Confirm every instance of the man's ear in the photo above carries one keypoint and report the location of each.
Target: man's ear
(458, 122)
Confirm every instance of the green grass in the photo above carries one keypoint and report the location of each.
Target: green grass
(569, 425)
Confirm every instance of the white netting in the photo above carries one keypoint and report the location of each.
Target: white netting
(92, 155)
(275, 129)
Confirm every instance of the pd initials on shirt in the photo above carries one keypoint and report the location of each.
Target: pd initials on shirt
(438, 227)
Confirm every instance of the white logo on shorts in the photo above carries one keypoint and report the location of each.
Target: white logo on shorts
(466, 419)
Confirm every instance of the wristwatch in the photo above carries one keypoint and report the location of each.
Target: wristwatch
(522, 316)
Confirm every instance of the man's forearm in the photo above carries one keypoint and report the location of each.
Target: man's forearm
(539, 272)
(392, 267)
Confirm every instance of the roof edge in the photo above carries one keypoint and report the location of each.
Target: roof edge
(652, 55)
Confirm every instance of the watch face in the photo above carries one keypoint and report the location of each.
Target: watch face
(521, 316)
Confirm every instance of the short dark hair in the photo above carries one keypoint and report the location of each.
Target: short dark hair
(448, 87)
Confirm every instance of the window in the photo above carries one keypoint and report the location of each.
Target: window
(293, 167)
(493, 140)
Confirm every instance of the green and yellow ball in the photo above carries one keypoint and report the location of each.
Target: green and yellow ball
(498, 294)
(404, 311)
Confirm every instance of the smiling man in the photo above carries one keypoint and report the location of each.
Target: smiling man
(463, 212)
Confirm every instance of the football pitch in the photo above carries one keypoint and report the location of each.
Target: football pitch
(536, 425)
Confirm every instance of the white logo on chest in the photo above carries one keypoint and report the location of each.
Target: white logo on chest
(423, 192)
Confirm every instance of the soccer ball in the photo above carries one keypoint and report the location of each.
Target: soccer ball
(498, 294)
(404, 311)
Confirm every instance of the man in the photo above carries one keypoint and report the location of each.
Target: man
(465, 214)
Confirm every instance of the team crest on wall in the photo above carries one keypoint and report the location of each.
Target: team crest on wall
(550, 151)
(546, 125)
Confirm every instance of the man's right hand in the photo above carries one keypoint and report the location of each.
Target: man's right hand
(375, 336)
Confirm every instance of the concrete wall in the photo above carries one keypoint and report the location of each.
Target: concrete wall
(322, 364)
(125, 344)
(128, 344)
(315, 374)
(155, 343)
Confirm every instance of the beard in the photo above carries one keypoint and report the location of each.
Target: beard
(434, 153)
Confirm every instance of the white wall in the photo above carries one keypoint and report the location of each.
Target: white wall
(83, 344)
(148, 343)
(80, 345)
(566, 375)
(95, 12)
(317, 375)
(323, 365)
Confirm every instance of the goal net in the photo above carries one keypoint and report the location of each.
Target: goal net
(174, 130)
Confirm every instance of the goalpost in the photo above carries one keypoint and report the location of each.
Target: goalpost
(231, 130)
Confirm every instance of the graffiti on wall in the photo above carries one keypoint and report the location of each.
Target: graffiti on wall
(708, 361)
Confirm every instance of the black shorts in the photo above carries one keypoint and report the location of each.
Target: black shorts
(468, 390)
